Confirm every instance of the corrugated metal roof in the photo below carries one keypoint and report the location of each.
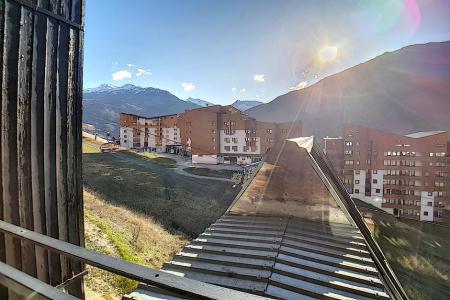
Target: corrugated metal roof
(287, 258)
(292, 233)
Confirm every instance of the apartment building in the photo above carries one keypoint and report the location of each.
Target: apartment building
(158, 134)
(406, 175)
(211, 135)
(223, 134)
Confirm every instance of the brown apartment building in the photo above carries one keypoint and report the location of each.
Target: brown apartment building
(406, 175)
(211, 135)
(158, 134)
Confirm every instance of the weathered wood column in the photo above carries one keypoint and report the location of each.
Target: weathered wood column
(41, 43)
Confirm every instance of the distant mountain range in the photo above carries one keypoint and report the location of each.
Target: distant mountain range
(102, 105)
(403, 91)
(244, 105)
(199, 102)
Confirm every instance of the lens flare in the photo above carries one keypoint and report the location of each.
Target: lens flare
(328, 54)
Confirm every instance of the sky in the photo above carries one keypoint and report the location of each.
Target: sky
(221, 51)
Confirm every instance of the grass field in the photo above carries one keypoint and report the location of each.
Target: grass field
(209, 172)
(154, 188)
(158, 159)
(119, 232)
(418, 252)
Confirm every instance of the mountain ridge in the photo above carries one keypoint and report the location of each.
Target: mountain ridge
(401, 91)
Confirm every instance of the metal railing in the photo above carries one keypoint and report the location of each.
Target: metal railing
(187, 288)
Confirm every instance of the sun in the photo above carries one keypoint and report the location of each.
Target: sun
(328, 54)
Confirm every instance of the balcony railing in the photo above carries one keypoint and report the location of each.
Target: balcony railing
(20, 282)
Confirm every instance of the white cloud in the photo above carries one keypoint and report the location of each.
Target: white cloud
(187, 86)
(233, 89)
(141, 72)
(115, 63)
(243, 90)
(121, 75)
(130, 65)
(259, 77)
(299, 86)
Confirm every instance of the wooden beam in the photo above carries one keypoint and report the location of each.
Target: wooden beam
(24, 136)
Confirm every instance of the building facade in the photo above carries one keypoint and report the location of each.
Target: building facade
(211, 135)
(157, 134)
(405, 175)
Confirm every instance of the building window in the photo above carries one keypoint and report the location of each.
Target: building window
(125, 136)
(235, 148)
(269, 130)
(225, 123)
(425, 213)
(235, 140)
(125, 141)
(357, 162)
(213, 123)
(377, 191)
(375, 171)
(213, 139)
(254, 131)
(214, 147)
(348, 152)
(429, 203)
(348, 143)
(431, 154)
(227, 140)
(349, 162)
(430, 194)
(357, 181)
(357, 172)
(227, 148)
(213, 131)
(356, 191)
(375, 181)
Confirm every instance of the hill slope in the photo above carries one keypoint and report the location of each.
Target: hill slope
(102, 105)
(244, 105)
(200, 102)
(403, 91)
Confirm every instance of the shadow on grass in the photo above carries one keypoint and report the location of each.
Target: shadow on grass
(178, 202)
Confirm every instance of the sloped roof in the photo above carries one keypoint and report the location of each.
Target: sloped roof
(421, 134)
(290, 234)
(286, 258)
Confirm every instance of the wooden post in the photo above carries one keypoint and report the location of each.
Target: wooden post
(40, 139)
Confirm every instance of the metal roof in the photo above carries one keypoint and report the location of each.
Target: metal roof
(422, 134)
(292, 233)
(286, 258)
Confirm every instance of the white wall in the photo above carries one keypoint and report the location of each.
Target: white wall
(128, 141)
(205, 159)
(424, 199)
(361, 186)
(379, 185)
(152, 137)
(240, 135)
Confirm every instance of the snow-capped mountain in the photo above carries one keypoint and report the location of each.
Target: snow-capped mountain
(243, 105)
(102, 105)
(100, 88)
(199, 102)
